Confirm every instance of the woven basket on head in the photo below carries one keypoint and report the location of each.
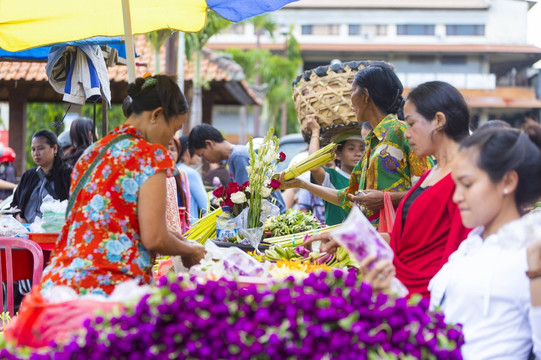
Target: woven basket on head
(326, 92)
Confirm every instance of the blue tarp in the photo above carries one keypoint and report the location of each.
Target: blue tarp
(238, 10)
(41, 53)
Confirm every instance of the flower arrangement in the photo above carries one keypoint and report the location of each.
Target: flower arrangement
(329, 315)
(260, 171)
(234, 196)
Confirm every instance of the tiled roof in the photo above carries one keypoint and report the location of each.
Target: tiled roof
(213, 68)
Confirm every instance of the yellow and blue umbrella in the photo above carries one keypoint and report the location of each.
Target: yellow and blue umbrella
(26, 24)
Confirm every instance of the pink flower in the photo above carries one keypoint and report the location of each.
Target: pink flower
(275, 183)
(281, 156)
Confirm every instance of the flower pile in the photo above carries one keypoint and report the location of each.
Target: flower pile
(330, 315)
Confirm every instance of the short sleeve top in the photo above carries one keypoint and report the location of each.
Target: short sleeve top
(100, 244)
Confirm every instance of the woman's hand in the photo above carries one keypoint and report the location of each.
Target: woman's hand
(328, 244)
(534, 255)
(380, 276)
(197, 252)
(372, 199)
(312, 124)
(289, 184)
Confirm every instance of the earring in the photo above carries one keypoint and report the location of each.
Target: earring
(153, 121)
(505, 191)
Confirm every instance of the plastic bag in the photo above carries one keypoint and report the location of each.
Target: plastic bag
(42, 319)
(387, 214)
(53, 214)
(253, 237)
(360, 239)
(40, 322)
(231, 261)
(9, 226)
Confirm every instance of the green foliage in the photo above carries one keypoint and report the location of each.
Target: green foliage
(276, 73)
(157, 39)
(194, 42)
(43, 115)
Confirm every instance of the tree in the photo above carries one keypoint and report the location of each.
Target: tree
(276, 73)
(157, 39)
(194, 42)
(261, 23)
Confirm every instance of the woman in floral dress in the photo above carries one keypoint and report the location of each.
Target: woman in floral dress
(116, 217)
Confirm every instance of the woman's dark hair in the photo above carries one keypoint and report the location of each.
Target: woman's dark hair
(200, 134)
(504, 150)
(438, 96)
(179, 147)
(152, 92)
(183, 145)
(51, 139)
(82, 135)
(384, 87)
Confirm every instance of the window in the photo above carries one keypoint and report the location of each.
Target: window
(465, 30)
(237, 29)
(421, 59)
(381, 30)
(331, 29)
(307, 29)
(454, 60)
(354, 30)
(415, 29)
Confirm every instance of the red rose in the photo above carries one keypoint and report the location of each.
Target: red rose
(281, 156)
(229, 203)
(244, 186)
(219, 192)
(275, 184)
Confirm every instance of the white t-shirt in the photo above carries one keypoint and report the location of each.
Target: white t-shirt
(483, 287)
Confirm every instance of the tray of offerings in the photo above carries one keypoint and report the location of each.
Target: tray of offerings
(245, 247)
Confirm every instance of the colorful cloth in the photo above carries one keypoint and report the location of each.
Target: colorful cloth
(432, 231)
(388, 164)
(100, 244)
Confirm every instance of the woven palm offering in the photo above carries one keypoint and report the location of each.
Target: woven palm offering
(326, 92)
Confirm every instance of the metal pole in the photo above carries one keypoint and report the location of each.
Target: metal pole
(180, 61)
(128, 39)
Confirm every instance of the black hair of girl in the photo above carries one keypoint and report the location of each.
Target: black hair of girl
(384, 87)
(504, 150)
(151, 93)
(51, 140)
(82, 135)
(432, 97)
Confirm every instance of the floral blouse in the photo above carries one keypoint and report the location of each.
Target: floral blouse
(100, 244)
(388, 164)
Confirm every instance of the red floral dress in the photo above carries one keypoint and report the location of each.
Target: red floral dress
(100, 244)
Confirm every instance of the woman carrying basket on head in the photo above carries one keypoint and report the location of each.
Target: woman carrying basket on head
(388, 164)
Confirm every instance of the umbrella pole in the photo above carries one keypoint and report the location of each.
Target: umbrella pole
(128, 39)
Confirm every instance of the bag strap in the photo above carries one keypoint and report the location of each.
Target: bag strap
(86, 175)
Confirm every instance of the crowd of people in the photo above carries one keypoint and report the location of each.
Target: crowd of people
(461, 200)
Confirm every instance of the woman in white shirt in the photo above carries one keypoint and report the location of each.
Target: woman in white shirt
(485, 285)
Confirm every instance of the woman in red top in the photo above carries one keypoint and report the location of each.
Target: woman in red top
(428, 227)
(117, 220)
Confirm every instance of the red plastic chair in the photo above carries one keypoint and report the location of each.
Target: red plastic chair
(7, 245)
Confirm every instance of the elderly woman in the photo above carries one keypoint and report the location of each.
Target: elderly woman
(388, 163)
(115, 222)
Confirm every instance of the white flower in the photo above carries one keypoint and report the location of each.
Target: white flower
(238, 198)
(265, 192)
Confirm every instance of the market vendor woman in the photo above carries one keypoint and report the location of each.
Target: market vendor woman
(115, 223)
(51, 176)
